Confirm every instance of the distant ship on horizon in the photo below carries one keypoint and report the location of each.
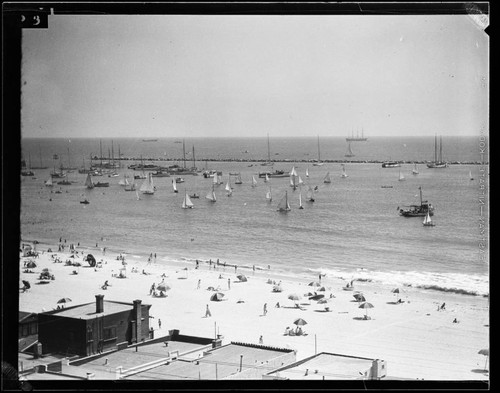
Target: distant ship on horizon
(150, 140)
(356, 138)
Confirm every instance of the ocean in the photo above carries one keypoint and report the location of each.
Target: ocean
(352, 230)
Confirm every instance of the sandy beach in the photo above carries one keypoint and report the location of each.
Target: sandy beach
(415, 337)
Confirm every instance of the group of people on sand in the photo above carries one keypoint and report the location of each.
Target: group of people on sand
(297, 332)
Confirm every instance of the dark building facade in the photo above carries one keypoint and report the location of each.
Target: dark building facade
(93, 328)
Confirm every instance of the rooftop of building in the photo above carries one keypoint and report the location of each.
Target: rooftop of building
(325, 366)
(88, 310)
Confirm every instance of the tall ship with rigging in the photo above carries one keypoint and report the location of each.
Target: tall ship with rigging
(356, 138)
(438, 158)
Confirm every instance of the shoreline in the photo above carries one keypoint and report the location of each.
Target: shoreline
(416, 340)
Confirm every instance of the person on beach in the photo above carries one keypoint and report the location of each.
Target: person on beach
(159, 323)
(152, 289)
(228, 283)
(265, 309)
(235, 268)
(277, 305)
(207, 312)
(443, 306)
(199, 283)
(261, 340)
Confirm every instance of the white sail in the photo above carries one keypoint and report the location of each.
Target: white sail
(147, 186)
(415, 170)
(300, 181)
(310, 194)
(401, 177)
(307, 172)
(327, 178)
(344, 174)
(427, 220)
(470, 176)
(49, 182)
(174, 184)
(211, 195)
(269, 195)
(229, 189)
(124, 181)
(186, 203)
(214, 179)
(267, 178)
(88, 182)
(300, 201)
(137, 195)
(254, 181)
(283, 205)
(293, 172)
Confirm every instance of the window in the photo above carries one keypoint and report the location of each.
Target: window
(109, 333)
(90, 334)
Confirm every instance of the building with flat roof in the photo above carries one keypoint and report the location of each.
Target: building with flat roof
(92, 328)
(331, 366)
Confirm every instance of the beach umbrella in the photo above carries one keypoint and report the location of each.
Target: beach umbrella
(64, 300)
(485, 352)
(396, 291)
(300, 322)
(277, 288)
(45, 270)
(242, 277)
(27, 285)
(217, 297)
(314, 284)
(294, 297)
(322, 289)
(31, 264)
(316, 297)
(163, 287)
(323, 300)
(91, 260)
(366, 306)
(359, 297)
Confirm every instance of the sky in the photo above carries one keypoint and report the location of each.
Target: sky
(236, 75)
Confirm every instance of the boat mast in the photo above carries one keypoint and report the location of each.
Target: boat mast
(100, 148)
(184, 153)
(440, 148)
(268, 149)
(119, 157)
(435, 148)
(194, 160)
(420, 188)
(319, 157)
(112, 155)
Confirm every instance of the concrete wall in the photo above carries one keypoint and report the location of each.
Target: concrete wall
(261, 369)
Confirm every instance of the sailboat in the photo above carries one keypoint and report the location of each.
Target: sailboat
(28, 171)
(415, 170)
(438, 159)
(269, 195)
(137, 195)
(143, 174)
(283, 205)
(417, 210)
(427, 221)
(254, 181)
(401, 176)
(344, 174)
(470, 176)
(349, 152)
(319, 163)
(49, 182)
(174, 185)
(300, 200)
(186, 203)
(88, 182)
(147, 186)
(228, 187)
(268, 154)
(307, 172)
(211, 195)
(294, 178)
(327, 178)
(266, 178)
(310, 194)
(124, 181)
(238, 179)
(130, 186)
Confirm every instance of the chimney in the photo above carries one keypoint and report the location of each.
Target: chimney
(138, 317)
(99, 303)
